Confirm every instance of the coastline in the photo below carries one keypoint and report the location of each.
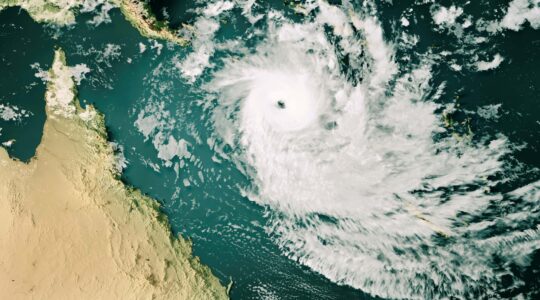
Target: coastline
(51, 11)
(142, 18)
(69, 228)
(63, 13)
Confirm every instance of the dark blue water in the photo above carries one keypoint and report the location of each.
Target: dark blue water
(226, 228)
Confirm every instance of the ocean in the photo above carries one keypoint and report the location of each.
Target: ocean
(402, 160)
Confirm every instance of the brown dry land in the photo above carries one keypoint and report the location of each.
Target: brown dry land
(70, 229)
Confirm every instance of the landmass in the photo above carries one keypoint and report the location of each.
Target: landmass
(71, 229)
(63, 12)
(141, 17)
(59, 12)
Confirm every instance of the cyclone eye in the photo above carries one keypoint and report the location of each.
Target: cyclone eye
(330, 125)
(281, 104)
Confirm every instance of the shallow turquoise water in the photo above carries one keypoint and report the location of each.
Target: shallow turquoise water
(224, 226)
(228, 230)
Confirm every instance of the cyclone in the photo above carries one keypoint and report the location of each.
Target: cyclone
(363, 181)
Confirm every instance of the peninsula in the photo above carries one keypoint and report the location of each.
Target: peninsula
(70, 229)
(63, 12)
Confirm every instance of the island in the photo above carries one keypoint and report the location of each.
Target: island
(63, 12)
(71, 229)
(139, 14)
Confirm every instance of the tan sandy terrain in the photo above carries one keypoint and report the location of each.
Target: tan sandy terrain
(63, 12)
(141, 18)
(69, 229)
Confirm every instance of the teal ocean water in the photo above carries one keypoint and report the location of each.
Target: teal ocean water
(404, 161)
